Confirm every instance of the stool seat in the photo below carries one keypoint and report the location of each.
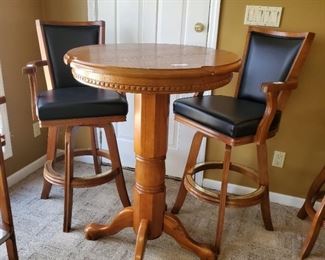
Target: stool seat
(80, 102)
(228, 115)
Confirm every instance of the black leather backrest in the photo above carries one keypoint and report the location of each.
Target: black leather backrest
(269, 59)
(60, 39)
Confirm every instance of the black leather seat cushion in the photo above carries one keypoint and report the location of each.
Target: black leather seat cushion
(80, 102)
(230, 116)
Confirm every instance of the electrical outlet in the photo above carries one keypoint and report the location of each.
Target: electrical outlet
(36, 129)
(278, 159)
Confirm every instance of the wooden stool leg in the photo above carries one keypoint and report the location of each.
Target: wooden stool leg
(68, 190)
(5, 209)
(116, 164)
(142, 236)
(223, 197)
(12, 248)
(94, 148)
(264, 180)
(191, 161)
(50, 155)
(312, 193)
(314, 230)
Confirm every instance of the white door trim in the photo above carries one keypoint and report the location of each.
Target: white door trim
(213, 23)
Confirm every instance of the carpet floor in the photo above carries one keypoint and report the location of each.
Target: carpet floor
(38, 226)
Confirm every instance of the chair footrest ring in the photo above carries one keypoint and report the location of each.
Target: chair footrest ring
(213, 197)
(56, 178)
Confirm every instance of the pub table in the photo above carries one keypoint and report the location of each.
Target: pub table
(152, 72)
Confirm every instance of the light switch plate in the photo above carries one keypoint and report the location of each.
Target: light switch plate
(36, 129)
(263, 15)
(278, 159)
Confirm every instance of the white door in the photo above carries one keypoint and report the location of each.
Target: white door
(157, 21)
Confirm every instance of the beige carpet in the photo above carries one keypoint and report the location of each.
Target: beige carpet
(38, 225)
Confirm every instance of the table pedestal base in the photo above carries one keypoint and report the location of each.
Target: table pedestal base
(172, 227)
(148, 215)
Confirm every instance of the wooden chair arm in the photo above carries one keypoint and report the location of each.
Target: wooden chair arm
(273, 92)
(30, 69)
(279, 86)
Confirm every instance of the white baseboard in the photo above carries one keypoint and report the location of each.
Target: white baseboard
(27, 170)
(274, 197)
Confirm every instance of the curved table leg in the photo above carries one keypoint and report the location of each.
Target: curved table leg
(122, 220)
(142, 236)
(174, 228)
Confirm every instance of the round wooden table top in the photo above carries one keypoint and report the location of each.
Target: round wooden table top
(152, 68)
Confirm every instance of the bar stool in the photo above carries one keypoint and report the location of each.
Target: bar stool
(68, 104)
(271, 64)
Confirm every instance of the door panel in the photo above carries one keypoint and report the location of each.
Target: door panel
(127, 26)
(148, 21)
(105, 8)
(169, 24)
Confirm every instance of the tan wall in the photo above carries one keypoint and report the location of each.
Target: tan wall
(65, 10)
(17, 46)
(302, 130)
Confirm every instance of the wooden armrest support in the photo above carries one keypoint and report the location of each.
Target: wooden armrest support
(30, 70)
(279, 86)
(31, 67)
(273, 92)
